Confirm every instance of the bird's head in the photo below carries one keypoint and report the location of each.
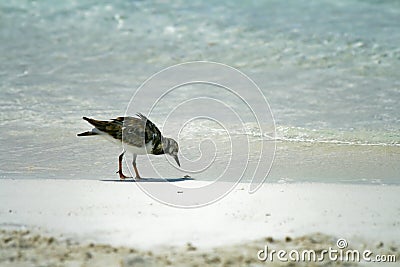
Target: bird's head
(170, 147)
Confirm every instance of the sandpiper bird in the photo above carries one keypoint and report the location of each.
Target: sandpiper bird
(140, 135)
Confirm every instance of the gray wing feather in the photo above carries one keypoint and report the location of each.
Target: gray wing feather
(134, 131)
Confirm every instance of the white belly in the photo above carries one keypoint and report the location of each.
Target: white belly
(139, 150)
(131, 149)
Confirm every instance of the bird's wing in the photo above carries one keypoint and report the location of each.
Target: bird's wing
(135, 131)
(152, 134)
(132, 130)
(151, 129)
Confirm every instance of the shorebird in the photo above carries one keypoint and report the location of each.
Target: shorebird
(140, 135)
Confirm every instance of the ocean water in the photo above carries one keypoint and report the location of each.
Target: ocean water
(329, 70)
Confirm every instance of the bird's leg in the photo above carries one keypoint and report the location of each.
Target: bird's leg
(134, 166)
(121, 175)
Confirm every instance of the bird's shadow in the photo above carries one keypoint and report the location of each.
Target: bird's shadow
(149, 180)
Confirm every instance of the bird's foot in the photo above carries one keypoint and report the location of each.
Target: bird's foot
(122, 176)
(138, 177)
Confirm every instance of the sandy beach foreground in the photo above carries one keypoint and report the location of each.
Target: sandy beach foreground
(104, 223)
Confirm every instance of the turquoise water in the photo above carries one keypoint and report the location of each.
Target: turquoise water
(329, 70)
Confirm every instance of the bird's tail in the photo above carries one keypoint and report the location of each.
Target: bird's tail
(101, 125)
(95, 123)
(88, 133)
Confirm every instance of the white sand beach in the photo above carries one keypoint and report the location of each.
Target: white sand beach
(118, 214)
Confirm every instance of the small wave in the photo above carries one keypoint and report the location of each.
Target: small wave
(340, 137)
(359, 137)
(327, 136)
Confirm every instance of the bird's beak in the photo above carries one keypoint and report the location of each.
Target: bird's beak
(177, 160)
